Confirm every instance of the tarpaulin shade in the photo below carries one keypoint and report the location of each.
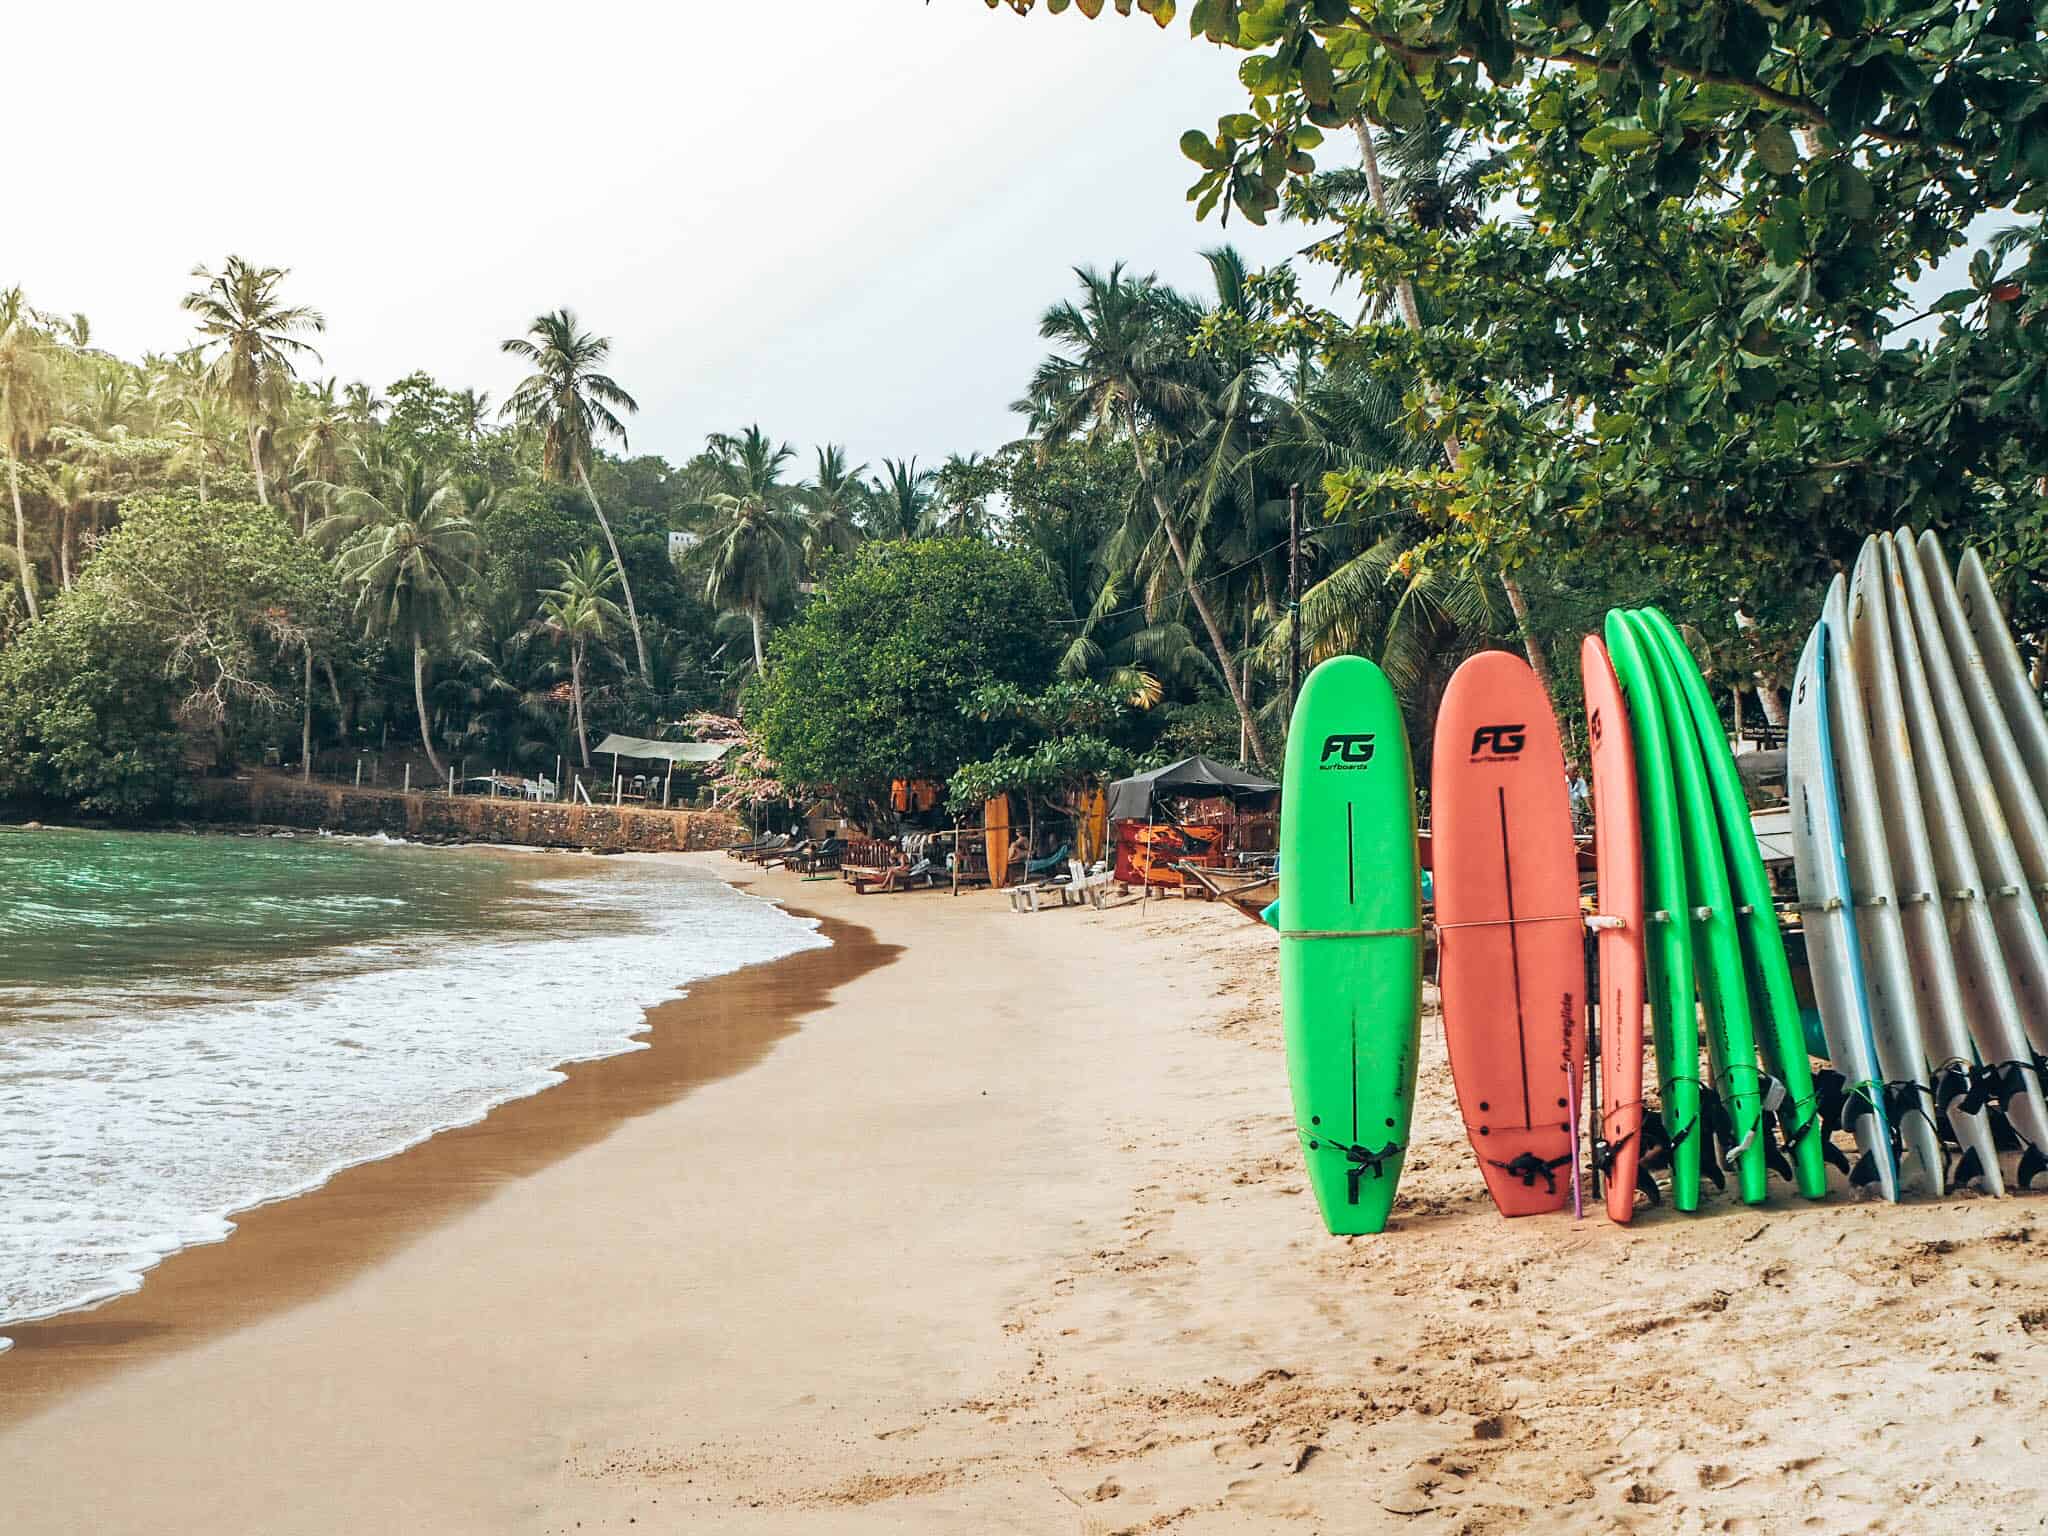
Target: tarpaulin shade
(1198, 777)
(666, 751)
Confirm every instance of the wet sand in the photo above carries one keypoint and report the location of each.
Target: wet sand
(293, 1250)
(1011, 1235)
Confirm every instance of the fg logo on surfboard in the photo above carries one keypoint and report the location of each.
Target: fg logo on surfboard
(1493, 743)
(1346, 751)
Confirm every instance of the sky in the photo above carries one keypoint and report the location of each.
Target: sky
(838, 218)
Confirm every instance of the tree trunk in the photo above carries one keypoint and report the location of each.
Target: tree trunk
(256, 463)
(64, 547)
(419, 700)
(1187, 576)
(625, 584)
(28, 571)
(576, 700)
(306, 724)
(754, 613)
(1454, 453)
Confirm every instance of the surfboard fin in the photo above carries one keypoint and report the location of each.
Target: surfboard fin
(1969, 1168)
(1830, 1092)
(1648, 1185)
(1830, 1153)
(2031, 1163)
(1776, 1160)
(1954, 1092)
(1865, 1171)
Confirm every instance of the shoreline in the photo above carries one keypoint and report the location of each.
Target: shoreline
(1013, 1234)
(296, 1247)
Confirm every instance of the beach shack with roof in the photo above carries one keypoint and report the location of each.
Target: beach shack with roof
(1196, 813)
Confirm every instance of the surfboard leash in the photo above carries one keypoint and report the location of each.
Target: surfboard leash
(1361, 1160)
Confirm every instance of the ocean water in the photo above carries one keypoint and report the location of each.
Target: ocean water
(191, 1026)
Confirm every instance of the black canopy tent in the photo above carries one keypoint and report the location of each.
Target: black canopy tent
(1196, 777)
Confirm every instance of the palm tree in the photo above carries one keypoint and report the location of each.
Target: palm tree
(899, 500)
(960, 497)
(834, 499)
(756, 548)
(414, 549)
(1120, 366)
(321, 426)
(572, 405)
(363, 406)
(472, 411)
(253, 341)
(579, 612)
(25, 407)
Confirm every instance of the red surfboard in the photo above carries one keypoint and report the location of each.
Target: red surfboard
(1618, 844)
(1510, 938)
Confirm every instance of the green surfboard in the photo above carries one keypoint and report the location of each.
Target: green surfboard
(1350, 938)
(1773, 1005)
(1667, 933)
(1716, 946)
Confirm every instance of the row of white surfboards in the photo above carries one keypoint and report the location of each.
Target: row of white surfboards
(1918, 772)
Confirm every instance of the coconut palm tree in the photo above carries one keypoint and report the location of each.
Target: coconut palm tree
(26, 399)
(571, 405)
(960, 493)
(756, 547)
(1120, 365)
(320, 429)
(899, 499)
(834, 499)
(253, 338)
(579, 612)
(472, 412)
(413, 551)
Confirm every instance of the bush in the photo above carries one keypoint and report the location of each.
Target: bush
(866, 684)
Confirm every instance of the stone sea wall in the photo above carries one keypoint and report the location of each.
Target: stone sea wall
(426, 817)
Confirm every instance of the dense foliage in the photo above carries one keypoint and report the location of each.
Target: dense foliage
(866, 684)
(1663, 320)
(1636, 302)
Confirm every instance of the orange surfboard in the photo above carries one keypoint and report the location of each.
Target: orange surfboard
(1618, 845)
(1511, 964)
(995, 830)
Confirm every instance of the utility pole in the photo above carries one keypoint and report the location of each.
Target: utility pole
(1293, 597)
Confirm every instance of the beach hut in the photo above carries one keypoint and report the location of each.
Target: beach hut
(1194, 811)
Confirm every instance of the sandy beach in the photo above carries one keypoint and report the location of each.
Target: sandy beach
(981, 1222)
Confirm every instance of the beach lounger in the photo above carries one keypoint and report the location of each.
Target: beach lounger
(821, 859)
(789, 855)
(748, 852)
(902, 877)
(1087, 885)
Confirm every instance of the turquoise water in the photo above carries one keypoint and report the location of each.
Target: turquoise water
(82, 912)
(190, 1026)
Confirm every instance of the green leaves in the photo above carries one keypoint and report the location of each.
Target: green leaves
(1773, 149)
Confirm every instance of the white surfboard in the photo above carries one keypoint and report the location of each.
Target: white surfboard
(2017, 695)
(1887, 975)
(1829, 920)
(1991, 1003)
(1998, 860)
(2025, 819)
(1938, 993)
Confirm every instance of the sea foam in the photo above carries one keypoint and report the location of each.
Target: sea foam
(127, 1135)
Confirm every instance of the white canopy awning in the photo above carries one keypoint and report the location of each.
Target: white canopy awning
(665, 751)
